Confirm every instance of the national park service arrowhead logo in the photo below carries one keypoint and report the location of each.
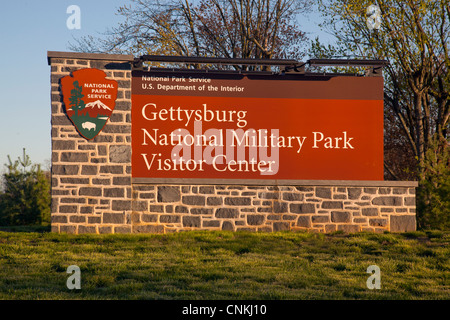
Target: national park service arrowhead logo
(89, 99)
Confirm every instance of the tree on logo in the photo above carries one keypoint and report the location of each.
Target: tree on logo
(75, 98)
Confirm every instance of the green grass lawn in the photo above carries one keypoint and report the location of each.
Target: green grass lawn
(224, 265)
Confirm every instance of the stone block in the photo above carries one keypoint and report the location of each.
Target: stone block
(340, 216)
(324, 193)
(146, 195)
(74, 157)
(139, 205)
(227, 213)
(116, 118)
(149, 217)
(111, 169)
(102, 150)
(255, 219)
(305, 189)
(194, 200)
(280, 207)
(269, 195)
(349, 228)
(94, 220)
(86, 209)
(304, 221)
(58, 218)
(89, 170)
(77, 181)
(206, 190)
(320, 219)
(410, 201)
(378, 222)
(148, 229)
(292, 196)
(101, 182)
(63, 145)
(61, 121)
(370, 190)
(73, 200)
(388, 201)
(122, 229)
(169, 194)
(59, 192)
(201, 211)
(384, 190)
(211, 223)
(354, 193)
(117, 128)
(68, 229)
(120, 153)
(123, 105)
(65, 170)
(214, 201)
(281, 226)
(227, 225)
(181, 209)
(369, 211)
(238, 201)
(120, 205)
(156, 208)
(191, 222)
(86, 229)
(122, 181)
(302, 208)
(98, 160)
(332, 205)
(68, 209)
(90, 191)
(402, 223)
(400, 190)
(102, 137)
(116, 218)
(169, 218)
(105, 229)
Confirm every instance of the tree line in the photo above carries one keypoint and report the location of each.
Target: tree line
(413, 35)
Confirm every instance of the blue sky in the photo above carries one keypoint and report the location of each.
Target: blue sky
(28, 29)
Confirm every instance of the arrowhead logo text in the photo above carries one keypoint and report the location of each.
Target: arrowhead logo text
(89, 99)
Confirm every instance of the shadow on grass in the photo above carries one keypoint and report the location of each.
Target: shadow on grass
(38, 229)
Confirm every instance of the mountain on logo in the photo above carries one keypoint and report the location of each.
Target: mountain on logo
(96, 108)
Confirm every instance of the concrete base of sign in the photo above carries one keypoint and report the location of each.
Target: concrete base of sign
(93, 190)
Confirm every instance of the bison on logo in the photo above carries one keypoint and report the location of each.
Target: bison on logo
(89, 99)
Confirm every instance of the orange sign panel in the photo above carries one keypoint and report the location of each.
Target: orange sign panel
(223, 126)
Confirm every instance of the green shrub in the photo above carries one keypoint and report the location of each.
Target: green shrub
(433, 197)
(26, 198)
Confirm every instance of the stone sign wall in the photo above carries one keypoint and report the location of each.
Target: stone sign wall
(93, 191)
